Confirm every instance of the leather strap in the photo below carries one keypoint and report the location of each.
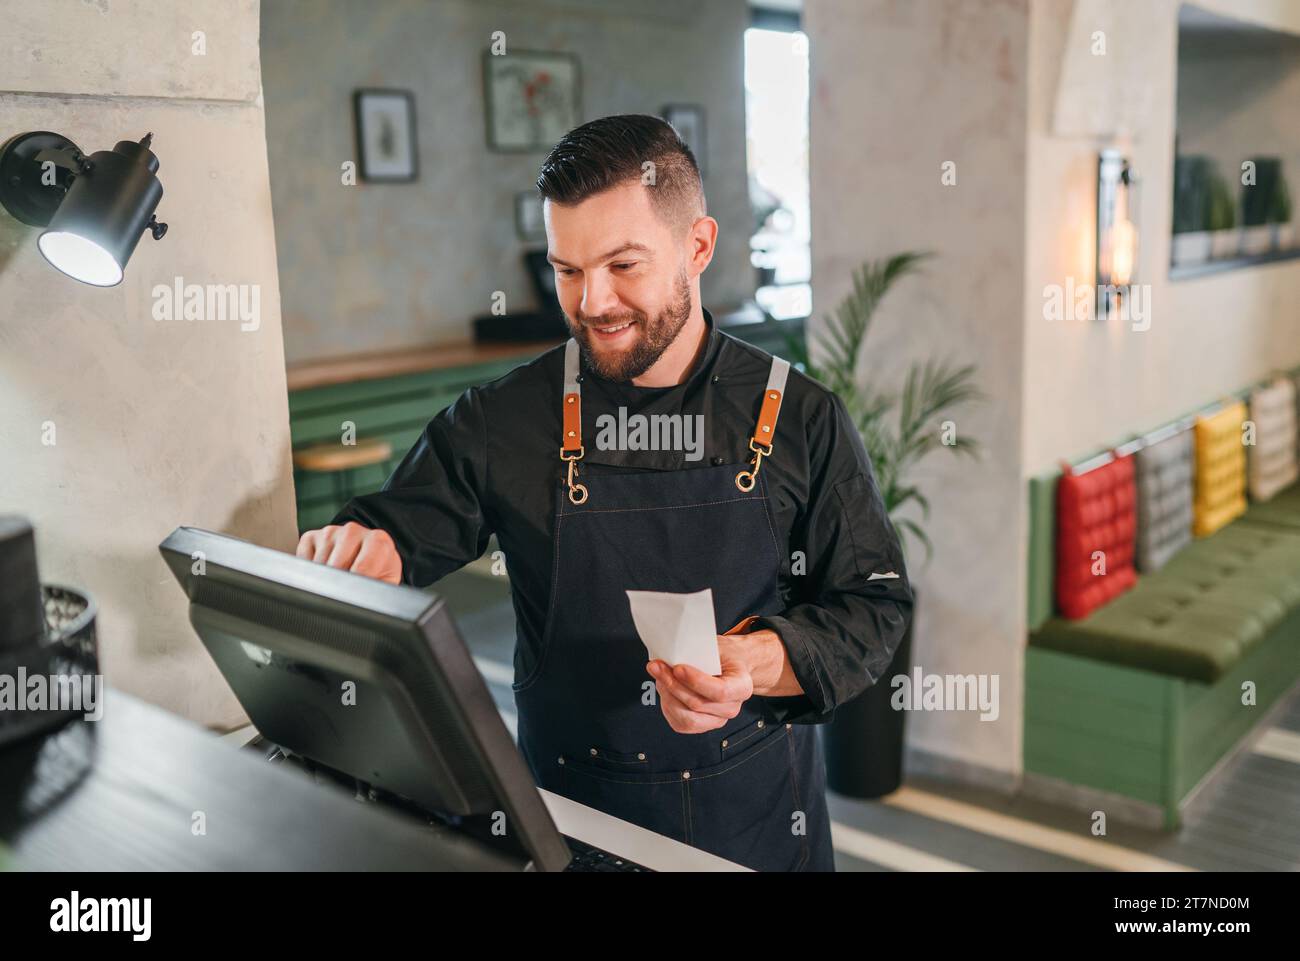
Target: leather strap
(572, 410)
(765, 429)
(743, 626)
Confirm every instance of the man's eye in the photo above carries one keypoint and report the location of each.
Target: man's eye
(624, 266)
(565, 271)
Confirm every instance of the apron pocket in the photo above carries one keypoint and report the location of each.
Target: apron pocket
(746, 809)
(629, 762)
(656, 802)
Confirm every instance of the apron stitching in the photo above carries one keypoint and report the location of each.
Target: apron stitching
(550, 610)
(687, 819)
(677, 507)
(587, 771)
(794, 787)
(734, 742)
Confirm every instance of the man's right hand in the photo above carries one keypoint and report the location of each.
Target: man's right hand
(354, 548)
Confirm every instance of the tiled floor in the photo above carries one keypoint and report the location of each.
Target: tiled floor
(1246, 818)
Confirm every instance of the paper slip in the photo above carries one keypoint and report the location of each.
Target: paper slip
(678, 628)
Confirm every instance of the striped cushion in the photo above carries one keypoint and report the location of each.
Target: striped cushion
(1272, 458)
(1164, 492)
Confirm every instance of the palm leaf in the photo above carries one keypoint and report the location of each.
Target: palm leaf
(899, 429)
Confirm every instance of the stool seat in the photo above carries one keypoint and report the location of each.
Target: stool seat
(328, 458)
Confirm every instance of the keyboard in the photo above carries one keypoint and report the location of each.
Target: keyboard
(588, 858)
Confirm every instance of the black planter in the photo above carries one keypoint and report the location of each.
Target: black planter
(864, 743)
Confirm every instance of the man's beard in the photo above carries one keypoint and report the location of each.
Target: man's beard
(652, 340)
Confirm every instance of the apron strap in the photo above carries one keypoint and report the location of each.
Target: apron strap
(765, 429)
(571, 449)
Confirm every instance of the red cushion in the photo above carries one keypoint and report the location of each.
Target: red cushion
(1095, 511)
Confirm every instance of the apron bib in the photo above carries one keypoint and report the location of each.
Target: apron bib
(590, 725)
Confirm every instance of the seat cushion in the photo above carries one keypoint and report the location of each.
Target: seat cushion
(1207, 607)
(1280, 510)
(1164, 499)
(1220, 469)
(1096, 523)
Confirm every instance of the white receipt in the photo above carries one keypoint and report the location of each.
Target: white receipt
(678, 628)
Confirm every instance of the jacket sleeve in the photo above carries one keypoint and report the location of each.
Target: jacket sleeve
(432, 505)
(851, 606)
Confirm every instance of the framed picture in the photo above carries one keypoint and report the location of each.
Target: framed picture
(531, 97)
(530, 222)
(688, 120)
(385, 122)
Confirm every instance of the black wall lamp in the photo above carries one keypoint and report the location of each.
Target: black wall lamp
(95, 208)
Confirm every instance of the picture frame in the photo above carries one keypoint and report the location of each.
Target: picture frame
(688, 120)
(387, 148)
(532, 98)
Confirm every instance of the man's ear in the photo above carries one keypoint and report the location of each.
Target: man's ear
(703, 241)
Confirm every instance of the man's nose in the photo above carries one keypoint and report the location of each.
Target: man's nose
(598, 297)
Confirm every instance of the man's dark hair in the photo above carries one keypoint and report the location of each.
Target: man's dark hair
(611, 151)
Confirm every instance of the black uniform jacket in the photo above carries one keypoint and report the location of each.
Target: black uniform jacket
(489, 462)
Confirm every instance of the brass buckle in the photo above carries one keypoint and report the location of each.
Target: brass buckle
(746, 479)
(577, 492)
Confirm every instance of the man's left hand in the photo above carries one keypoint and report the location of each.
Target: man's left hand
(694, 702)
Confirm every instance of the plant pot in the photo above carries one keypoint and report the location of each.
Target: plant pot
(1224, 244)
(1192, 247)
(1256, 240)
(863, 744)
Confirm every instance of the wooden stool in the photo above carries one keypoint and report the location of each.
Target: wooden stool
(341, 460)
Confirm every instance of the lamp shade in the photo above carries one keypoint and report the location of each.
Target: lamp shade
(95, 229)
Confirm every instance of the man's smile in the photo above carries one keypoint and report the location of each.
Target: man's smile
(613, 332)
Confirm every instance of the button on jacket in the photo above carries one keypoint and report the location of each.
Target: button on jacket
(489, 463)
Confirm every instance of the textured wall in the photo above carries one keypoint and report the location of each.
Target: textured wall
(383, 266)
(900, 88)
(1090, 384)
(155, 422)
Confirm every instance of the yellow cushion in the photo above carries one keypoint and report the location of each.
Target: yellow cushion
(1220, 469)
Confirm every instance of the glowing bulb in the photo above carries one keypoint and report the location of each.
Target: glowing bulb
(1123, 247)
(80, 258)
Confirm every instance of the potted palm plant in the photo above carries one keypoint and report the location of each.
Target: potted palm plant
(899, 429)
(1191, 240)
(1279, 215)
(1221, 217)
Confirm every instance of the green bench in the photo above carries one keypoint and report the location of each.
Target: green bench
(1144, 696)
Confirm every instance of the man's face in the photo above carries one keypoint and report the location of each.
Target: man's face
(621, 278)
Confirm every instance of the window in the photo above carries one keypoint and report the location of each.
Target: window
(776, 134)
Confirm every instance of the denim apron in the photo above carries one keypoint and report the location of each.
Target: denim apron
(590, 725)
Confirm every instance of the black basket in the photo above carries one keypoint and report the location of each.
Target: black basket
(68, 649)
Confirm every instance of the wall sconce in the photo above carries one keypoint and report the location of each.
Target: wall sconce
(95, 208)
(1117, 232)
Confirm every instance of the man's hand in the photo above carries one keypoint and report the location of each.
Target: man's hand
(694, 702)
(354, 548)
